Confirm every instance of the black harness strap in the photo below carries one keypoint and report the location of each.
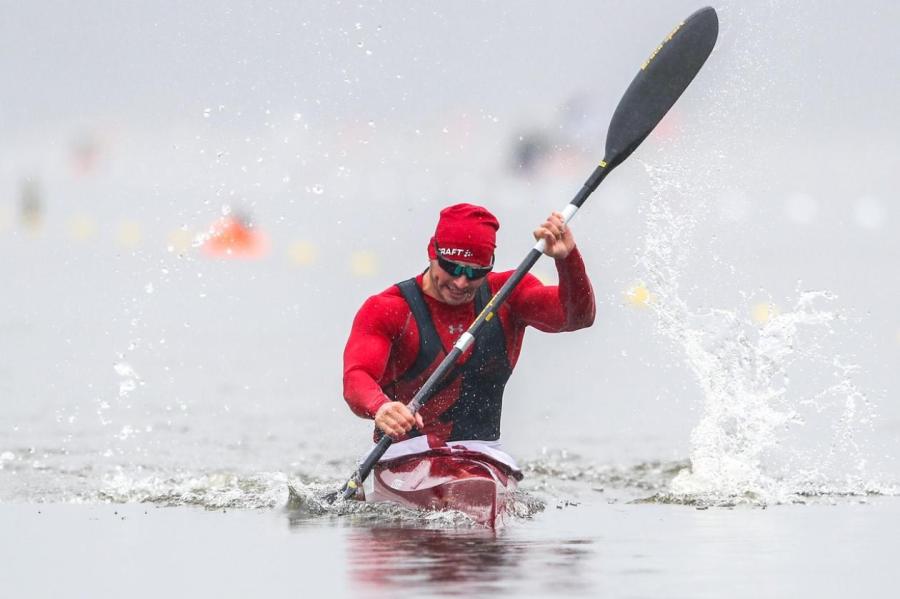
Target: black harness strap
(429, 342)
(476, 412)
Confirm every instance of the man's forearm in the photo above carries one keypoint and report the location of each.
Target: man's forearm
(362, 393)
(575, 292)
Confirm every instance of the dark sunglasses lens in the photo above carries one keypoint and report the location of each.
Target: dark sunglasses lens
(454, 269)
(473, 273)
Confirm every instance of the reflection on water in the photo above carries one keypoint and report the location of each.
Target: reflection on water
(392, 548)
(465, 562)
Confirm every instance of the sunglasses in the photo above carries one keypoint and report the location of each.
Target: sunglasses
(455, 269)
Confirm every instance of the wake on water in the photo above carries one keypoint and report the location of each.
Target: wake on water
(307, 502)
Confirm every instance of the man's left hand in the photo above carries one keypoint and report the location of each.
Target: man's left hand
(557, 237)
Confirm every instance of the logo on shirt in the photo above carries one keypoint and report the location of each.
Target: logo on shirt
(456, 329)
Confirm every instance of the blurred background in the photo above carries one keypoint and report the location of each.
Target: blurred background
(196, 198)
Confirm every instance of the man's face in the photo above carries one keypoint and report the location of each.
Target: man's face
(452, 290)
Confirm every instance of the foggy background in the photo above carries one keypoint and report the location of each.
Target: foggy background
(340, 130)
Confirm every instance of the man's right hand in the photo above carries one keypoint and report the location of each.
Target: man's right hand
(395, 419)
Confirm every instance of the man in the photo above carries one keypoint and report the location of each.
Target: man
(400, 336)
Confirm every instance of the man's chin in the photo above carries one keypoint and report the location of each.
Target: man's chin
(457, 299)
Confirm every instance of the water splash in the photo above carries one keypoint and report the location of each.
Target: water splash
(785, 415)
(130, 379)
(765, 436)
(762, 438)
(210, 490)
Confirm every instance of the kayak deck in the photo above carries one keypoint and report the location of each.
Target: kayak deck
(465, 481)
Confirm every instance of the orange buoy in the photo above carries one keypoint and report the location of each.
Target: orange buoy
(233, 236)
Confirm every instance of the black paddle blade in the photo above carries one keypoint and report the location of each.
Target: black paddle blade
(661, 81)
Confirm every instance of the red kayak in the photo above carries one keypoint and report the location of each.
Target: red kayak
(465, 481)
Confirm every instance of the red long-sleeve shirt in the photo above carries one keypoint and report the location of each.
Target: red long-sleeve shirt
(384, 339)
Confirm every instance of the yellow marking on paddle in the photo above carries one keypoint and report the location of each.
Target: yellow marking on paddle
(602, 164)
(351, 484)
(660, 46)
(488, 309)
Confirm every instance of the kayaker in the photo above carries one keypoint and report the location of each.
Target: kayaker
(400, 335)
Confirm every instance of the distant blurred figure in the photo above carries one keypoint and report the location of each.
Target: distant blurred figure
(85, 154)
(572, 137)
(529, 150)
(31, 210)
(235, 236)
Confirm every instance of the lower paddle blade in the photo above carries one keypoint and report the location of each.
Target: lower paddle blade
(303, 502)
(661, 81)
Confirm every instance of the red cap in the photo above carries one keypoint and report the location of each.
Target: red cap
(465, 233)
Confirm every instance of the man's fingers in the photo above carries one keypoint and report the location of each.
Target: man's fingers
(555, 229)
(405, 417)
(403, 420)
(393, 430)
(396, 420)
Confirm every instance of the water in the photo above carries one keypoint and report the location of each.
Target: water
(621, 550)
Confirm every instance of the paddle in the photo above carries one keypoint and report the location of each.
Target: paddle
(662, 79)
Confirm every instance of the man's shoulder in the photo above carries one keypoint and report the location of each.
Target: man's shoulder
(385, 305)
(387, 297)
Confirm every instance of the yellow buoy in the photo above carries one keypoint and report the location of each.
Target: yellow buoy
(180, 240)
(763, 312)
(129, 234)
(82, 227)
(302, 253)
(638, 295)
(543, 277)
(363, 263)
